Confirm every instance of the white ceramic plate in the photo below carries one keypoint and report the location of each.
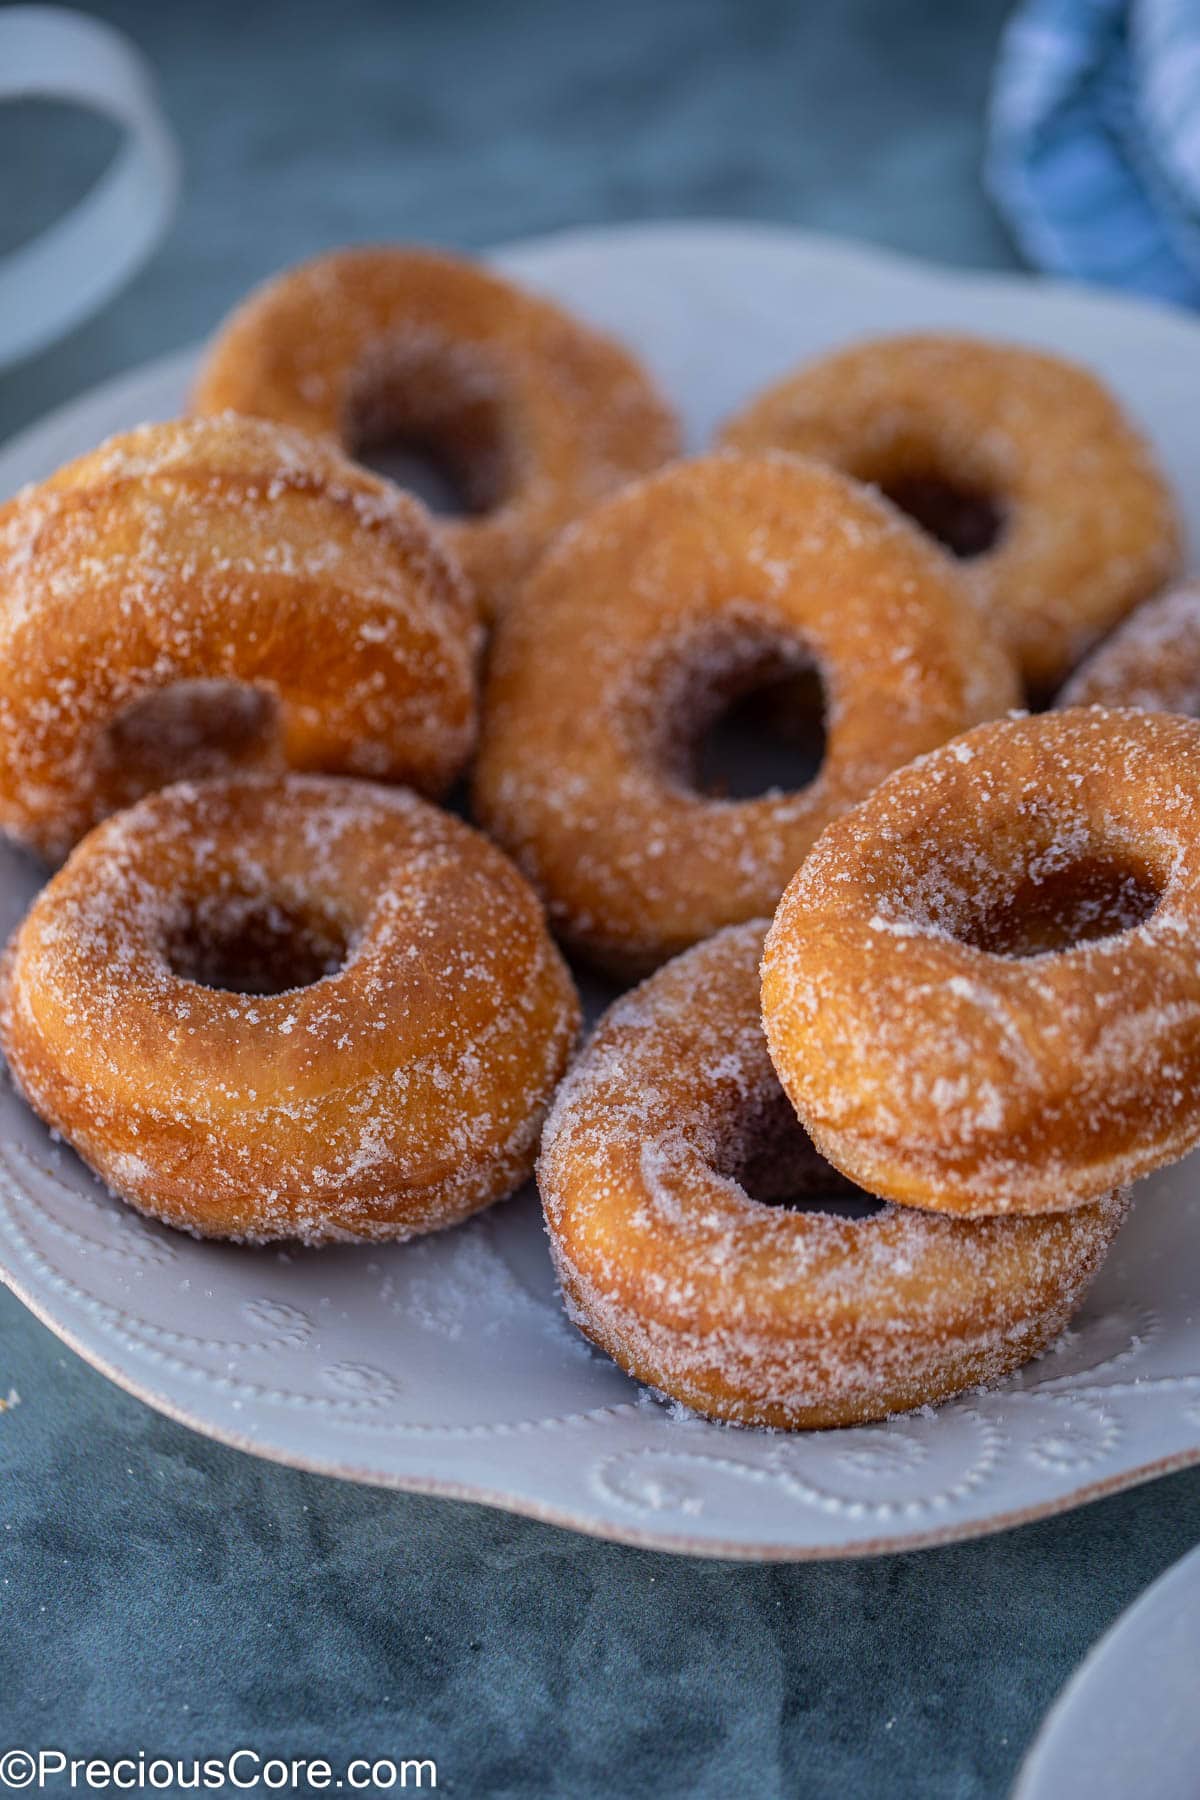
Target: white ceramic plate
(1127, 1725)
(446, 1365)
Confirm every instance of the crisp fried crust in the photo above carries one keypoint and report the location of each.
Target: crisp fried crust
(1088, 526)
(753, 1312)
(982, 989)
(399, 1090)
(635, 631)
(221, 551)
(1151, 662)
(536, 414)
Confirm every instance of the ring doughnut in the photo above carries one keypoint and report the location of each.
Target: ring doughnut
(179, 559)
(1151, 662)
(640, 625)
(982, 990)
(753, 1312)
(290, 1007)
(534, 414)
(1020, 459)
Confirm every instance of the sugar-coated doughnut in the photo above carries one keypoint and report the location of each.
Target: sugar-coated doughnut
(982, 989)
(755, 1312)
(152, 1010)
(1151, 662)
(1022, 459)
(637, 629)
(536, 414)
(178, 559)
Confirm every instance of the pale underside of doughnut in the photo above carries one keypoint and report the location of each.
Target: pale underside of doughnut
(982, 990)
(752, 1312)
(400, 1088)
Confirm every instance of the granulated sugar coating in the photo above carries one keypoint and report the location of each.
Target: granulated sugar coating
(534, 413)
(982, 990)
(635, 631)
(398, 1091)
(1152, 661)
(293, 609)
(754, 1312)
(1084, 525)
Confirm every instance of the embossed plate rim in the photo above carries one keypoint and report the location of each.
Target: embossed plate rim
(611, 1531)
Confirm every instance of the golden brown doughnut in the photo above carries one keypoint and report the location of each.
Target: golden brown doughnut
(982, 989)
(153, 1012)
(178, 559)
(1022, 458)
(636, 630)
(753, 1312)
(536, 414)
(1152, 661)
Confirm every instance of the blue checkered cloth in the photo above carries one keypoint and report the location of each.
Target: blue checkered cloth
(1094, 141)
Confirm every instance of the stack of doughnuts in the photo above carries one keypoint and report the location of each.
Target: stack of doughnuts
(907, 1026)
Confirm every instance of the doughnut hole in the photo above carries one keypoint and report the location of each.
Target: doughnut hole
(949, 498)
(743, 716)
(1094, 898)
(189, 731)
(774, 1161)
(430, 416)
(965, 520)
(253, 944)
(1045, 906)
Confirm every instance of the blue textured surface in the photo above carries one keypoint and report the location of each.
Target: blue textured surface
(159, 1590)
(1093, 153)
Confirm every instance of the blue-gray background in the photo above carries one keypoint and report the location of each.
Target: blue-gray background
(157, 1590)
